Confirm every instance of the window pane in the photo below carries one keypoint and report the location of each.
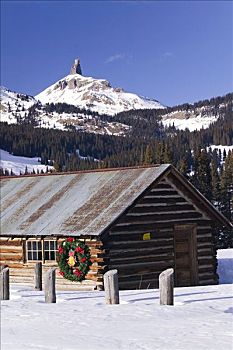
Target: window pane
(34, 245)
(46, 255)
(46, 245)
(40, 255)
(39, 245)
(34, 255)
(52, 255)
(29, 256)
(29, 245)
(52, 245)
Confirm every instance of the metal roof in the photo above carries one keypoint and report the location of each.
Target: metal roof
(81, 203)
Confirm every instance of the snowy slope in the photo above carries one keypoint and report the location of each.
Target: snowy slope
(225, 265)
(189, 119)
(18, 164)
(201, 319)
(94, 94)
(15, 108)
(14, 105)
(222, 148)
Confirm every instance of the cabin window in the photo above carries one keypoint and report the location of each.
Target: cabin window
(41, 250)
(50, 248)
(34, 250)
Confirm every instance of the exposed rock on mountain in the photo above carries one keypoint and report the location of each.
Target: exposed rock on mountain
(93, 94)
(76, 67)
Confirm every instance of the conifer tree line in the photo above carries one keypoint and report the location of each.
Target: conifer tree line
(149, 142)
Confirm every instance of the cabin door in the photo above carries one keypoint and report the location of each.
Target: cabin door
(186, 265)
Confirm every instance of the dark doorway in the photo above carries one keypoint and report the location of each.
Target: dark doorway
(186, 265)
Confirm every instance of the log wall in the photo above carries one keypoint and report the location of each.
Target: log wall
(139, 261)
(13, 255)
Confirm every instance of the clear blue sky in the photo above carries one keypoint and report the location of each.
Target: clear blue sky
(174, 51)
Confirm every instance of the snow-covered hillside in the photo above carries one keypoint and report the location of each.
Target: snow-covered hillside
(17, 108)
(17, 164)
(201, 319)
(94, 94)
(14, 105)
(221, 148)
(95, 98)
(197, 119)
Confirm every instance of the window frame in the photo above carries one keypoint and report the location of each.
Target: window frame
(52, 247)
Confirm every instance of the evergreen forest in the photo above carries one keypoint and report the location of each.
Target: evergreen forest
(149, 142)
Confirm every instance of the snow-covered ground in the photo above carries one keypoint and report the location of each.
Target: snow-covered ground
(202, 318)
(192, 122)
(225, 265)
(18, 164)
(94, 94)
(222, 148)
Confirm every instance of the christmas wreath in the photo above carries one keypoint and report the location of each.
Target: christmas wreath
(73, 259)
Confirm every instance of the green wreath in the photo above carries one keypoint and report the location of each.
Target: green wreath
(73, 259)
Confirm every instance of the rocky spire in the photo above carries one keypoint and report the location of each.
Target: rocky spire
(76, 68)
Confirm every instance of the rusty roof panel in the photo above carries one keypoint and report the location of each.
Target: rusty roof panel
(74, 204)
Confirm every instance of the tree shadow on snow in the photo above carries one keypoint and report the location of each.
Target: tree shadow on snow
(197, 300)
(229, 310)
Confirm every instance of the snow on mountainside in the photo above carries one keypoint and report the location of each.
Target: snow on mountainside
(94, 94)
(192, 119)
(17, 164)
(91, 97)
(21, 108)
(14, 105)
(94, 98)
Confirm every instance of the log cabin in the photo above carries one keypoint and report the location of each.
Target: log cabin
(139, 220)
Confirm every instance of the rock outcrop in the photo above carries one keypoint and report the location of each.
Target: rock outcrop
(76, 67)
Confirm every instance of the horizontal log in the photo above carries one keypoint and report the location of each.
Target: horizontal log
(155, 208)
(163, 243)
(163, 213)
(203, 260)
(154, 236)
(164, 192)
(153, 199)
(142, 267)
(204, 230)
(206, 275)
(11, 257)
(159, 217)
(11, 242)
(206, 267)
(131, 252)
(207, 282)
(205, 251)
(205, 245)
(138, 284)
(147, 227)
(18, 264)
(161, 185)
(137, 277)
(10, 249)
(204, 239)
(138, 259)
(161, 197)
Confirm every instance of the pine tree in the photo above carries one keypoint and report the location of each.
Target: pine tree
(203, 174)
(148, 158)
(215, 182)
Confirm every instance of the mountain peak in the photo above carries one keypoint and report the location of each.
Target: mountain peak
(76, 67)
